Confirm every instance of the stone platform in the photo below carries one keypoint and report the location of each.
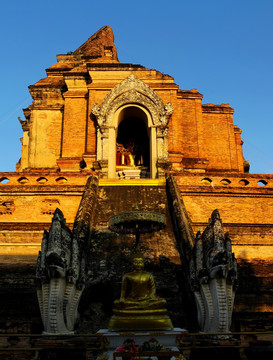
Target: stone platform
(167, 338)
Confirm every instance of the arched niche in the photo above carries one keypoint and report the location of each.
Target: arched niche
(132, 97)
(133, 130)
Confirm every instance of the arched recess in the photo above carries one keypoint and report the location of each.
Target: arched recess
(136, 121)
(132, 93)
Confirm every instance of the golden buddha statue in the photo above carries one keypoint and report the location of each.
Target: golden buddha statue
(138, 307)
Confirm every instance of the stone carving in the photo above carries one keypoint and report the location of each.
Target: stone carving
(168, 109)
(165, 115)
(60, 271)
(132, 89)
(96, 110)
(7, 207)
(213, 272)
(52, 267)
(49, 206)
(24, 124)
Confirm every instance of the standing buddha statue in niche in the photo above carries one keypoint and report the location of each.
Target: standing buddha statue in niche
(139, 308)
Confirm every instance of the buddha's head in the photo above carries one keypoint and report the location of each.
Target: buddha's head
(138, 263)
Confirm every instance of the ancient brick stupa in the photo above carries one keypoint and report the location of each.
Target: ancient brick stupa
(141, 140)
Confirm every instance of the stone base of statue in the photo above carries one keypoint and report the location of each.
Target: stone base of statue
(163, 344)
(124, 320)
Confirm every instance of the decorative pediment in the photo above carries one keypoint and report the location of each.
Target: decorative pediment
(132, 90)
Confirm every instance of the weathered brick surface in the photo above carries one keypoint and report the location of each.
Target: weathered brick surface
(61, 125)
(116, 199)
(205, 152)
(74, 130)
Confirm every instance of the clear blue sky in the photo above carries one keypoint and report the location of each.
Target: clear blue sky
(222, 48)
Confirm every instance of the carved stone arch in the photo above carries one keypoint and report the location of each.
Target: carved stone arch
(129, 92)
(132, 90)
(132, 97)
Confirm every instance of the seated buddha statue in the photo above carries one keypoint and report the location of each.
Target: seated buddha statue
(139, 308)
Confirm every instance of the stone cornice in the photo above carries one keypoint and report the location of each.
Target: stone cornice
(237, 130)
(46, 107)
(27, 226)
(76, 75)
(240, 225)
(223, 108)
(76, 94)
(220, 191)
(189, 94)
(114, 67)
(36, 190)
(49, 82)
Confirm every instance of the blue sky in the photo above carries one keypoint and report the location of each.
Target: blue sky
(222, 48)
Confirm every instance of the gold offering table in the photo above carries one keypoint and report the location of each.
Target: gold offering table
(168, 339)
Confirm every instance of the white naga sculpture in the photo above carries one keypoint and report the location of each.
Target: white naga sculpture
(213, 272)
(60, 271)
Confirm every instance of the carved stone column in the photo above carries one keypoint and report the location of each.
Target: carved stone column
(163, 141)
